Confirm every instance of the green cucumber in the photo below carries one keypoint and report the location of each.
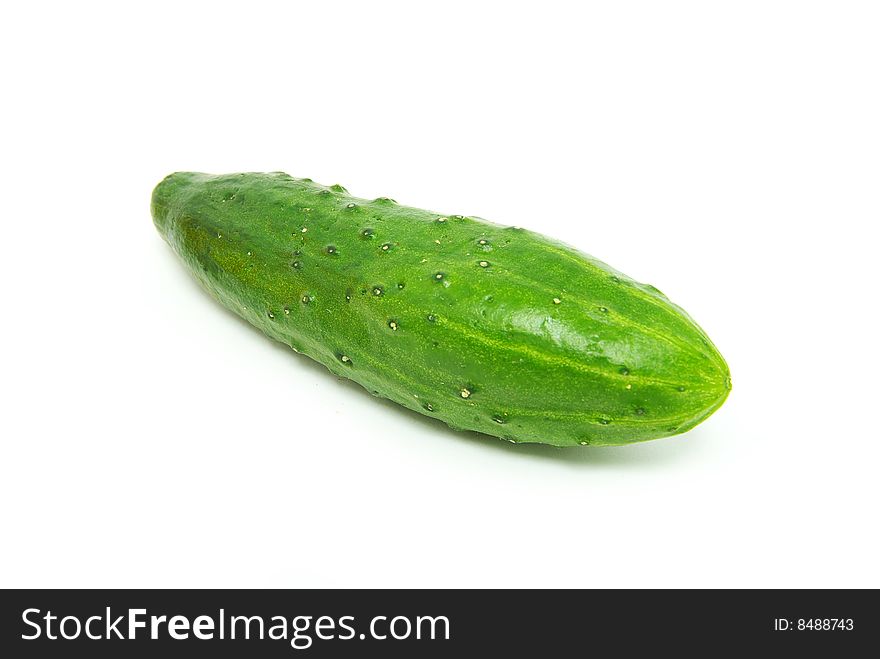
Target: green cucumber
(488, 328)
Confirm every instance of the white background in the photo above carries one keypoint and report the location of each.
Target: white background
(728, 153)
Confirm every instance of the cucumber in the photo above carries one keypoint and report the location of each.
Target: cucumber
(488, 328)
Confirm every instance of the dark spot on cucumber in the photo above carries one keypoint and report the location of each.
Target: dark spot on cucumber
(400, 285)
(428, 407)
(393, 325)
(624, 370)
(386, 247)
(296, 265)
(378, 291)
(351, 205)
(640, 411)
(228, 196)
(286, 311)
(483, 264)
(270, 315)
(431, 318)
(615, 279)
(680, 389)
(345, 359)
(306, 298)
(603, 309)
(368, 234)
(348, 293)
(439, 276)
(331, 249)
(498, 418)
(603, 420)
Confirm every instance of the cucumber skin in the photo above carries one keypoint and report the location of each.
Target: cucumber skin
(488, 328)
